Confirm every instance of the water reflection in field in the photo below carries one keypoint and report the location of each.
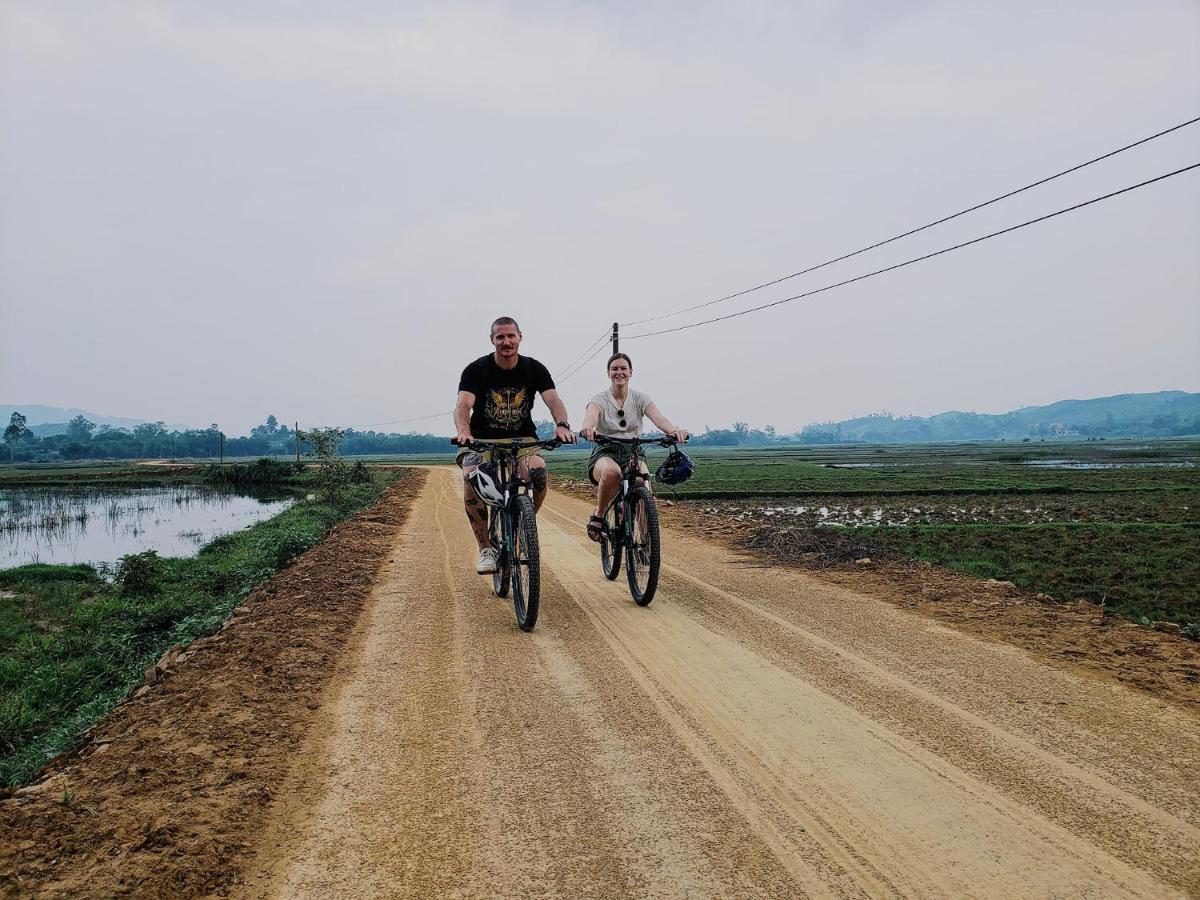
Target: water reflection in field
(100, 524)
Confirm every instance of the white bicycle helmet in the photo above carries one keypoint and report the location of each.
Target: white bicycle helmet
(483, 480)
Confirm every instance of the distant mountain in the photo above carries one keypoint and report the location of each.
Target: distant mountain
(1162, 414)
(47, 420)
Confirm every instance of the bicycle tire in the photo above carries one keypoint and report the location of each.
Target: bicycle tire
(610, 544)
(502, 577)
(526, 563)
(643, 553)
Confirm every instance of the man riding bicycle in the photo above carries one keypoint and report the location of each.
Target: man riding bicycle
(495, 401)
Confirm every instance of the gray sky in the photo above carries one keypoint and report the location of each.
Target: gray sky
(215, 211)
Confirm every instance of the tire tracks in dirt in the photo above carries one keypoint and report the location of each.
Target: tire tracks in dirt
(751, 733)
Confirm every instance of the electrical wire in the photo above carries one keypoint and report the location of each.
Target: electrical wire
(412, 419)
(599, 341)
(604, 336)
(917, 259)
(829, 262)
(579, 368)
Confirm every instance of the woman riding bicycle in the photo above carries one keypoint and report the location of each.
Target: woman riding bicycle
(617, 413)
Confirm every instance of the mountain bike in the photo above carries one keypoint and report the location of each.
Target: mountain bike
(512, 527)
(631, 525)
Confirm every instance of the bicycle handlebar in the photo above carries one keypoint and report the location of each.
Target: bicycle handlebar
(507, 444)
(634, 442)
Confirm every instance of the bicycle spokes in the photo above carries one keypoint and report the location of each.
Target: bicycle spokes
(642, 553)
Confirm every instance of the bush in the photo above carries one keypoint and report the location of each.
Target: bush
(139, 573)
(261, 471)
(288, 543)
(333, 475)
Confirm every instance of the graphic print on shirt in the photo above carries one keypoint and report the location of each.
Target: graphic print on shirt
(506, 407)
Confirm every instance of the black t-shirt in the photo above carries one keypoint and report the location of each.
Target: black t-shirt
(504, 397)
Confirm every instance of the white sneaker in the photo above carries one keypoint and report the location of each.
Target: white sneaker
(487, 561)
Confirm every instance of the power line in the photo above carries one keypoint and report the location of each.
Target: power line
(580, 367)
(977, 206)
(604, 335)
(412, 419)
(599, 341)
(918, 259)
(437, 415)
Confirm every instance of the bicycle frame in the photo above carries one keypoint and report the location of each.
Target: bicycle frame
(631, 524)
(516, 511)
(629, 476)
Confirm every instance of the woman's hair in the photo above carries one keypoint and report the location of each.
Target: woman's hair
(624, 356)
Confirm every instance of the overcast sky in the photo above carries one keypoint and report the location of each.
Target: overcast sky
(213, 211)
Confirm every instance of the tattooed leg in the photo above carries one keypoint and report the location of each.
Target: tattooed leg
(476, 515)
(537, 477)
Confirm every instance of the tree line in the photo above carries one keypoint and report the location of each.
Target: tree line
(84, 440)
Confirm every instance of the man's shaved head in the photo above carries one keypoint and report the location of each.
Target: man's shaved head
(505, 320)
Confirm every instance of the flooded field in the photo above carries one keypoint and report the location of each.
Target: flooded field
(100, 524)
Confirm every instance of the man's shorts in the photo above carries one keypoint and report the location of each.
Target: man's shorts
(486, 456)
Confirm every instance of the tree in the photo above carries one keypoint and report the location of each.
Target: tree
(146, 434)
(266, 432)
(79, 430)
(14, 433)
(333, 474)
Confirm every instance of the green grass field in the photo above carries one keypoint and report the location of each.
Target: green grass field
(72, 642)
(1114, 522)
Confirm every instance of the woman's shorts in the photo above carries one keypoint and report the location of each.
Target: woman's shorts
(618, 453)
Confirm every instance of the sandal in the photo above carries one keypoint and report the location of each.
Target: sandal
(595, 528)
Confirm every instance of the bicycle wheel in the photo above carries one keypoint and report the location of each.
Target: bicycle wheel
(643, 554)
(503, 573)
(526, 563)
(610, 543)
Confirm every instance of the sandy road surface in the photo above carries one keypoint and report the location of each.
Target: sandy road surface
(752, 733)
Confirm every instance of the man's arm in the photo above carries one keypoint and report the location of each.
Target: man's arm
(462, 415)
(558, 409)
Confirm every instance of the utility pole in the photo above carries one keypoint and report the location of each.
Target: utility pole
(615, 347)
(297, 433)
(222, 447)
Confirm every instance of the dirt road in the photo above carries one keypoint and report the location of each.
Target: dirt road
(752, 733)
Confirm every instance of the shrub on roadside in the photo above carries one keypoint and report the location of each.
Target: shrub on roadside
(139, 573)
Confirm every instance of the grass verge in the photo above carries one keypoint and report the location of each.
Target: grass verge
(72, 644)
(1145, 572)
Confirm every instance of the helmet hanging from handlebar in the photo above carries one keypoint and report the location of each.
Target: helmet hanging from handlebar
(676, 468)
(487, 488)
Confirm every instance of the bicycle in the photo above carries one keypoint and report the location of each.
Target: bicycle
(512, 527)
(631, 524)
